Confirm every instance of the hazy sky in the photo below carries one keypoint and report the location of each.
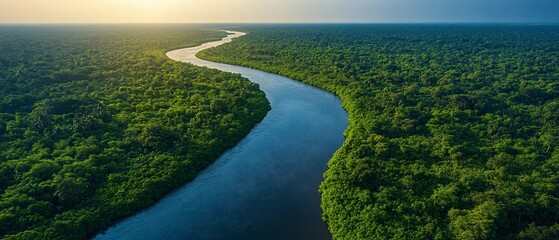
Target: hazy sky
(107, 11)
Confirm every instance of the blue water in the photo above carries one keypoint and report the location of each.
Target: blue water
(264, 188)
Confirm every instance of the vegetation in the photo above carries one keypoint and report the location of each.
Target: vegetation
(453, 128)
(97, 123)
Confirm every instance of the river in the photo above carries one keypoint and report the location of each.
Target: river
(266, 187)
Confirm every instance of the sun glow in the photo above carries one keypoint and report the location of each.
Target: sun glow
(147, 3)
(150, 2)
(93, 11)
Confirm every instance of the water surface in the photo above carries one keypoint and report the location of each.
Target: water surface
(264, 188)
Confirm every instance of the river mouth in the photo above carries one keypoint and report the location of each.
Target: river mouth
(266, 187)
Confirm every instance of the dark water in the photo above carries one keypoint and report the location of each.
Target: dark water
(265, 187)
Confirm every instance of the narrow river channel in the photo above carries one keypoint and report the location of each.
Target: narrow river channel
(264, 188)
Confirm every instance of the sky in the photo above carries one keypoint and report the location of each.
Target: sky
(222, 11)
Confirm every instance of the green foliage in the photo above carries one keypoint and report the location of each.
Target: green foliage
(97, 123)
(453, 128)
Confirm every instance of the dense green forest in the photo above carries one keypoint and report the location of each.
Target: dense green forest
(97, 123)
(453, 128)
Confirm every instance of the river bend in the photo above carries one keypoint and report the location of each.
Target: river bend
(266, 187)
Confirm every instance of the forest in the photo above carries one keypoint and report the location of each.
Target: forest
(97, 123)
(453, 128)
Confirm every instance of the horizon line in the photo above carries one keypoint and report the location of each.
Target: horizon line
(287, 22)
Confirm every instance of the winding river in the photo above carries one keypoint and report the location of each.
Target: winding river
(264, 188)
